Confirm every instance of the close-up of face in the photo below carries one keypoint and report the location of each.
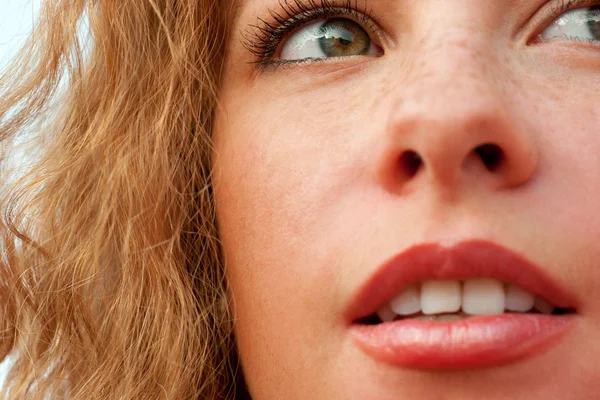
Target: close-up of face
(406, 197)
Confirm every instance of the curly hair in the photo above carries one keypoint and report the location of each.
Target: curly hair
(111, 278)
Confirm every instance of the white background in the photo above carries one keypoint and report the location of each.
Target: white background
(16, 19)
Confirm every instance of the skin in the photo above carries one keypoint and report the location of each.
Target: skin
(311, 199)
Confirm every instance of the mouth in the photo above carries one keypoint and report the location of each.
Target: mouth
(472, 305)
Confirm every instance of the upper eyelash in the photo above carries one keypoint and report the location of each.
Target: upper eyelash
(263, 38)
(568, 5)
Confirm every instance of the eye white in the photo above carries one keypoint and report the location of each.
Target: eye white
(573, 25)
(304, 43)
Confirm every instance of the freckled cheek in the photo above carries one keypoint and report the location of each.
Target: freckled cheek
(563, 196)
(264, 183)
(281, 166)
(273, 177)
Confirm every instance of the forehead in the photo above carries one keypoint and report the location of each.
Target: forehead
(239, 7)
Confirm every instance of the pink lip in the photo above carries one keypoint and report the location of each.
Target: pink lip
(476, 341)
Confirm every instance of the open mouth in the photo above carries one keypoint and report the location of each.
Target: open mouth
(472, 305)
(456, 300)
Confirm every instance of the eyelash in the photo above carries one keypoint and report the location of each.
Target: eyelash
(568, 5)
(264, 38)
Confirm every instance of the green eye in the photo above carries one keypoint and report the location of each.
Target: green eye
(342, 37)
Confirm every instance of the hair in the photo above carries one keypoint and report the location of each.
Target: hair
(111, 279)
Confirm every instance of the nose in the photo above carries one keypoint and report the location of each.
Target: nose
(455, 126)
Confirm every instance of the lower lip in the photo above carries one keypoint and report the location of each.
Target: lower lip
(471, 342)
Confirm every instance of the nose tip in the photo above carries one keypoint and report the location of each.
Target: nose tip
(473, 146)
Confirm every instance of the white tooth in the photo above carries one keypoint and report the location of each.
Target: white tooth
(386, 314)
(543, 306)
(483, 296)
(440, 297)
(408, 302)
(518, 299)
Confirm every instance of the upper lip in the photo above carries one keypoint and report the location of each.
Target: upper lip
(468, 259)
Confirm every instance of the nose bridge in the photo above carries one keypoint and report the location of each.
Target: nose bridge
(452, 70)
(461, 39)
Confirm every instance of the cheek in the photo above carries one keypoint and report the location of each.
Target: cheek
(567, 192)
(281, 191)
(279, 176)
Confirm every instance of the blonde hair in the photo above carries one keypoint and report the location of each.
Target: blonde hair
(111, 280)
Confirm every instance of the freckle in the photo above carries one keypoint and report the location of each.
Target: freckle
(463, 43)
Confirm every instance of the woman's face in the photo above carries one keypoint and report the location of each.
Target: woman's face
(385, 154)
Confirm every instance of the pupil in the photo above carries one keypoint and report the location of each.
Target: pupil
(345, 42)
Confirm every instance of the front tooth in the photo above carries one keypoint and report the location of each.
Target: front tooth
(518, 299)
(543, 306)
(386, 314)
(440, 297)
(408, 302)
(483, 296)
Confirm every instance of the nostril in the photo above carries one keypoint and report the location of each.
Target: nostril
(491, 155)
(410, 161)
